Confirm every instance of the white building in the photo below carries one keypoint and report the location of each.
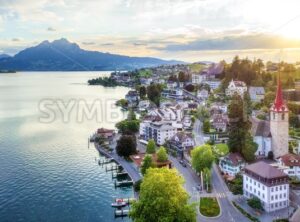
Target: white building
(197, 78)
(262, 136)
(160, 132)
(213, 84)
(257, 94)
(231, 164)
(290, 164)
(203, 94)
(267, 183)
(238, 87)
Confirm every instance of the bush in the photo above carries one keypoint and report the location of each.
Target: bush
(236, 185)
(249, 216)
(209, 207)
(137, 185)
(162, 155)
(255, 203)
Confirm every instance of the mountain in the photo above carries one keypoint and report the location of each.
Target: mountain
(62, 55)
(4, 56)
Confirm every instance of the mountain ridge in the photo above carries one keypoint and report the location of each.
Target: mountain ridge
(62, 55)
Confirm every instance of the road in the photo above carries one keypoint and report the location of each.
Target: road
(220, 190)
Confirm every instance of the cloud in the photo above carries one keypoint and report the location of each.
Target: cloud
(257, 41)
(88, 43)
(16, 39)
(139, 44)
(107, 44)
(51, 29)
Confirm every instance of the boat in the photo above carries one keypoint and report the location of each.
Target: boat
(119, 203)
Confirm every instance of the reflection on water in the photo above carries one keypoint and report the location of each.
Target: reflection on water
(48, 173)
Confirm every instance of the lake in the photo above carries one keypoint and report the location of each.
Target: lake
(48, 173)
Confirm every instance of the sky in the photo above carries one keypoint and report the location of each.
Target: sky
(188, 30)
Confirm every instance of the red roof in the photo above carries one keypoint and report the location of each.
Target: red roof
(290, 159)
(279, 103)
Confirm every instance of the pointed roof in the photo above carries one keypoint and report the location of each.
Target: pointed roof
(279, 102)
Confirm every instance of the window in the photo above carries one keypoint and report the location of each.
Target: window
(282, 116)
(272, 197)
(263, 195)
(276, 188)
(280, 196)
(276, 197)
(280, 188)
(284, 195)
(272, 189)
(258, 185)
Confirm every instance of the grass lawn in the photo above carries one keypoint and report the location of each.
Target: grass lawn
(209, 207)
(221, 149)
(196, 67)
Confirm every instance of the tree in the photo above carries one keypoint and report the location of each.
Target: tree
(207, 178)
(162, 198)
(182, 77)
(143, 92)
(202, 157)
(247, 103)
(126, 145)
(146, 164)
(154, 93)
(255, 203)
(131, 115)
(269, 98)
(239, 125)
(190, 88)
(206, 126)
(162, 155)
(249, 148)
(151, 147)
(202, 113)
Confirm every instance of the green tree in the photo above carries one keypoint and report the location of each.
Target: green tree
(239, 124)
(207, 178)
(146, 164)
(162, 155)
(249, 148)
(202, 157)
(255, 203)
(202, 113)
(206, 126)
(269, 98)
(151, 147)
(126, 145)
(143, 92)
(162, 198)
(154, 93)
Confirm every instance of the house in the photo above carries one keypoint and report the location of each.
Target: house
(181, 142)
(219, 122)
(213, 84)
(238, 87)
(132, 97)
(197, 78)
(231, 164)
(187, 122)
(262, 136)
(106, 134)
(144, 105)
(257, 94)
(146, 81)
(267, 183)
(171, 84)
(212, 71)
(290, 164)
(160, 132)
(218, 107)
(203, 94)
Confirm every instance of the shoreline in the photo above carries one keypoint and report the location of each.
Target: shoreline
(129, 168)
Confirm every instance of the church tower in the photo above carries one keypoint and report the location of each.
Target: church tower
(279, 124)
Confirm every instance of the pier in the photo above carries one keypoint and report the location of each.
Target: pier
(119, 174)
(132, 171)
(123, 183)
(122, 213)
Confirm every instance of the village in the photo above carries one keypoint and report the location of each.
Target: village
(233, 138)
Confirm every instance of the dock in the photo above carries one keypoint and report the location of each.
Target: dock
(119, 174)
(132, 171)
(123, 183)
(114, 168)
(121, 213)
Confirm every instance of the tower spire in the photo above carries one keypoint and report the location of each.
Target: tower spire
(278, 103)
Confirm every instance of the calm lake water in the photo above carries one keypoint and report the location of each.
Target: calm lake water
(47, 171)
